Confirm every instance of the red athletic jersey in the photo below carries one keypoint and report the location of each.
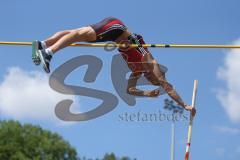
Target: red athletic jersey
(134, 56)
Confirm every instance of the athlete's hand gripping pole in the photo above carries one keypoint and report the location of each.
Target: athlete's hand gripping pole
(191, 120)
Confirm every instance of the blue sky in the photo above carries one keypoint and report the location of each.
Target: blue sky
(216, 128)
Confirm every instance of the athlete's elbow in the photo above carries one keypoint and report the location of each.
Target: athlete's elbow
(130, 91)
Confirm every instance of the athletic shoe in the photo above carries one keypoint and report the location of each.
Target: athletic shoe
(36, 46)
(45, 60)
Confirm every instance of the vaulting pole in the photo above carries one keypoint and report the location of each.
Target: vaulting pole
(191, 120)
(132, 45)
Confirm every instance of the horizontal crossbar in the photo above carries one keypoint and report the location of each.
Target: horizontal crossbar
(131, 45)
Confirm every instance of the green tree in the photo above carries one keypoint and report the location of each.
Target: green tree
(113, 157)
(110, 157)
(28, 142)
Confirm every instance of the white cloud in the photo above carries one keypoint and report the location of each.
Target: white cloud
(27, 95)
(229, 130)
(230, 74)
(238, 150)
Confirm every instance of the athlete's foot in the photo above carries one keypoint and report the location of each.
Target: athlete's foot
(45, 60)
(36, 46)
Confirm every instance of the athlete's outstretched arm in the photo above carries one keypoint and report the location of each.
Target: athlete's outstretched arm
(172, 92)
(175, 96)
(132, 83)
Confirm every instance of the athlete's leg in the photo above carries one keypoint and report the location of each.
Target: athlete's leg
(85, 34)
(54, 38)
(40, 45)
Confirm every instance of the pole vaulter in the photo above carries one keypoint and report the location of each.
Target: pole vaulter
(133, 50)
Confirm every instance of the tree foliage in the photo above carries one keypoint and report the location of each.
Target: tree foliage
(107, 156)
(28, 142)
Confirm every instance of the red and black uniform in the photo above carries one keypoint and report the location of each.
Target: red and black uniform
(110, 29)
(134, 56)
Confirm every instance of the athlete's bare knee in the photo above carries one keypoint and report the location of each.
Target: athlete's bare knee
(60, 33)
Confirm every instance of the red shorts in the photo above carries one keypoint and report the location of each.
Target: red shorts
(108, 29)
